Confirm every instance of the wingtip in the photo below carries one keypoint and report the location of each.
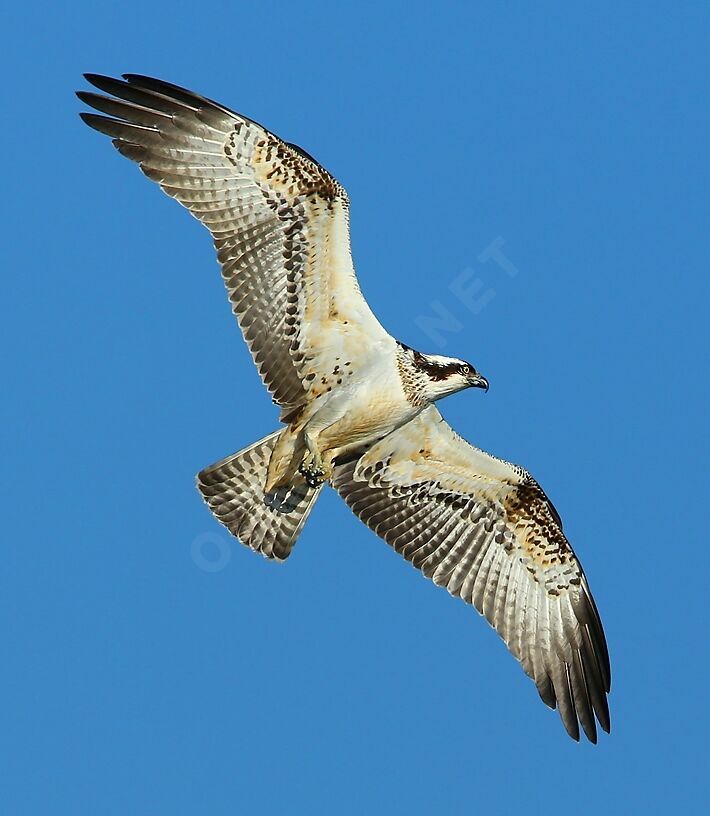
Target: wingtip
(604, 724)
(151, 81)
(95, 79)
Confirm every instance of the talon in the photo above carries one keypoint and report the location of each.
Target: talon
(313, 474)
(313, 469)
(315, 480)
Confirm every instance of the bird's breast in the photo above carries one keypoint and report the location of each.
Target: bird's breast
(373, 406)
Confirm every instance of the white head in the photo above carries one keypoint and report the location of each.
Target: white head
(442, 376)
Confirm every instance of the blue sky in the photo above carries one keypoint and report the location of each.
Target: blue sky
(137, 678)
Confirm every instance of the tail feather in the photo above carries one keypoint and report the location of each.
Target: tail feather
(268, 523)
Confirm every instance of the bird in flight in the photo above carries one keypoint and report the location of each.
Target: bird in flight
(358, 408)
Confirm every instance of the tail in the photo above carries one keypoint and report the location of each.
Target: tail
(234, 491)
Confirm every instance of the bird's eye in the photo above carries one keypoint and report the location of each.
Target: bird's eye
(466, 370)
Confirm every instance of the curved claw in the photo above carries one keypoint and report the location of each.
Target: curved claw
(312, 473)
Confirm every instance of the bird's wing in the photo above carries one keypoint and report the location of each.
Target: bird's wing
(485, 530)
(279, 221)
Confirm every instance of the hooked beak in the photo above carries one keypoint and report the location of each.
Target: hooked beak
(478, 381)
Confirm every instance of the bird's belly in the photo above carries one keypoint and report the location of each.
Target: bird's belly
(369, 415)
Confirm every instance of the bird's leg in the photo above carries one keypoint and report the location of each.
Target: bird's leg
(312, 467)
(316, 465)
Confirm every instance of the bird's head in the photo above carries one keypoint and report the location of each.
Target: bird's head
(446, 375)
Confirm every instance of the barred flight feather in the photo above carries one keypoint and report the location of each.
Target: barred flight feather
(484, 530)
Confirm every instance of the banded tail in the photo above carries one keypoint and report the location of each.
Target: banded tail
(234, 489)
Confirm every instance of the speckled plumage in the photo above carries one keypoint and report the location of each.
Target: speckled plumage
(357, 406)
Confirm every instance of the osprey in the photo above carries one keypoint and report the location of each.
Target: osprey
(358, 408)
